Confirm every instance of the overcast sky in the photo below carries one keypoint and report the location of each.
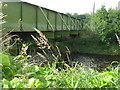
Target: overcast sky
(74, 6)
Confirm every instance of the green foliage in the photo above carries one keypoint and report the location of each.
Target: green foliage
(5, 58)
(12, 64)
(90, 42)
(107, 23)
(35, 76)
(22, 83)
(85, 20)
(100, 35)
(22, 74)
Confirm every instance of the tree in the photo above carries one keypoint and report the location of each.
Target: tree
(107, 23)
(85, 20)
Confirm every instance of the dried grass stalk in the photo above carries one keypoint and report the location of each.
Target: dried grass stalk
(118, 39)
(42, 56)
(41, 41)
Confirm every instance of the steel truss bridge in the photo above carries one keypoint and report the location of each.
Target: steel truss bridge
(22, 17)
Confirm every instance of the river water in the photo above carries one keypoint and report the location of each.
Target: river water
(95, 60)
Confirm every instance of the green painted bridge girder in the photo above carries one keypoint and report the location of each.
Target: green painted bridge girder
(23, 17)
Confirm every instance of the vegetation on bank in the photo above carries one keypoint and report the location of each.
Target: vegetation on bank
(89, 42)
(19, 73)
(99, 33)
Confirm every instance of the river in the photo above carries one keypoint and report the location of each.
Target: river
(97, 61)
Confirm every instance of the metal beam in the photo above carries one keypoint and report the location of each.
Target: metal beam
(36, 17)
(47, 19)
(72, 20)
(55, 21)
(21, 17)
(64, 21)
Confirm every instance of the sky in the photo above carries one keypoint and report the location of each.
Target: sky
(74, 6)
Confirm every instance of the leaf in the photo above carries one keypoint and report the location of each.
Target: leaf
(19, 57)
(36, 68)
(5, 83)
(5, 59)
(31, 83)
(18, 75)
(38, 84)
(35, 83)
(16, 83)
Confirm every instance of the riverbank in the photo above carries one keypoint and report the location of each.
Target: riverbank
(89, 42)
(96, 49)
